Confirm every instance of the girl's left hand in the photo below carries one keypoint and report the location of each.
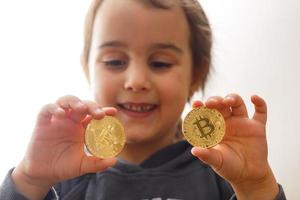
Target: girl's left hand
(241, 157)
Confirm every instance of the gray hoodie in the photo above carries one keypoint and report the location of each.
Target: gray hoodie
(172, 173)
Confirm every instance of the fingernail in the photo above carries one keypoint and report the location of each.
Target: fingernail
(60, 111)
(79, 104)
(98, 111)
(229, 98)
(110, 110)
(194, 150)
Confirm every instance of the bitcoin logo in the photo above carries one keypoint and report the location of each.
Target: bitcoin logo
(203, 127)
(206, 129)
(105, 135)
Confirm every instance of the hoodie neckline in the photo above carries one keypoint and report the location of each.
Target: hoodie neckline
(170, 157)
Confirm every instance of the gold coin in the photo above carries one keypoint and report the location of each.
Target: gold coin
(204, 127)
(105, 138)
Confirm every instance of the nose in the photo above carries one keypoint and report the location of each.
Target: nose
(137, 79)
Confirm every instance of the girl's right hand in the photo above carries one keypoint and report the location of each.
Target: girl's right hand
(56, 149)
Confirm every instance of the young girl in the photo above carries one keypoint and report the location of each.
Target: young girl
(144, 59)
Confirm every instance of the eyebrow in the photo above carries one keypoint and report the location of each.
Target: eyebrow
(170, 46)
(112, 44)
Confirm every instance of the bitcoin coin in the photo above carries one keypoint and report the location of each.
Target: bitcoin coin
(204, 127)
(105, 138)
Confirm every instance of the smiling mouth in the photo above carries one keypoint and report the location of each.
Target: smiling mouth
(138, 107)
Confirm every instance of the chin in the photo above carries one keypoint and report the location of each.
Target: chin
(138, 138)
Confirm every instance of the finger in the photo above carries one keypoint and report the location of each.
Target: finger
(94, 109)
(76, 110)
(91, 164)
(237, 105)
(110, 111)
(86, 121)
(48, 111)
(197, 104)
(107, 110)
(210, 156)
(260, 105)
(68, 101)
(216, 102)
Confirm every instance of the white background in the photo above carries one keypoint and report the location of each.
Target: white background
(256, 51)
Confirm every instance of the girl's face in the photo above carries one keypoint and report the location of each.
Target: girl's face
(140, 63)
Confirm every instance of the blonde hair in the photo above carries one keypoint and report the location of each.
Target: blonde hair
(200, 39)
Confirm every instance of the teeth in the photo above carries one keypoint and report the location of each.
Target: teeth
(137, 108)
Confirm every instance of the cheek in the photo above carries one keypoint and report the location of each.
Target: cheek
(103, 89)
(176, 88)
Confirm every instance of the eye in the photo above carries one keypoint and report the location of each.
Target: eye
(160, 65)
(115, 64)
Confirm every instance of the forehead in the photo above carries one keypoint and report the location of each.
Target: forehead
(137, 23)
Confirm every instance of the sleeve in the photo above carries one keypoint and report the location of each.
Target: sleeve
(8, 190)
(280, 195)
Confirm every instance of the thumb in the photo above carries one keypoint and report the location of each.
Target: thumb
(92, 164)
(210, 156)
